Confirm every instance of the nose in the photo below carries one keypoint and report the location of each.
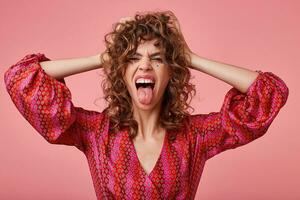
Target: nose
(145, 65)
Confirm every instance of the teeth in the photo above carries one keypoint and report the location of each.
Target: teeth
(142, 80)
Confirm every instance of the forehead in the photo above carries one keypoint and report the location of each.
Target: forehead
(148, 47)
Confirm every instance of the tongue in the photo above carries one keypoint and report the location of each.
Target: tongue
(145, 95)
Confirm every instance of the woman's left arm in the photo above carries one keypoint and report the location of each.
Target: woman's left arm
(247, 111)
(238, 77)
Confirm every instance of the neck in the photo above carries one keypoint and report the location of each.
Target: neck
(148, 121)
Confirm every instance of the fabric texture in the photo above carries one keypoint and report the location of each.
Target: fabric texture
(46, 103)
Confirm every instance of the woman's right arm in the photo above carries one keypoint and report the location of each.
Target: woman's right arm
(45, 101)
(62, 68)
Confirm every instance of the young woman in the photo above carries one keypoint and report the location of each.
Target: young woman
(145, 144)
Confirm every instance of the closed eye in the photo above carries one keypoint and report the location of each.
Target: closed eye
(158, 59)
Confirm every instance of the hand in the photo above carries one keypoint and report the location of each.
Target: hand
(175, 23)
(123, 20)
(110, 38)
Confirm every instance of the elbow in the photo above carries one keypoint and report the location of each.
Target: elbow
(285, 93)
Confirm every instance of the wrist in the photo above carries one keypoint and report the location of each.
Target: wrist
(96, 60)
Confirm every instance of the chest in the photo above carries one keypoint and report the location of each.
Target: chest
(120, 165)
(148, 153)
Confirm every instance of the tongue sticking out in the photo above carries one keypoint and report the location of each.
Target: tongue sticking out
(145, 95)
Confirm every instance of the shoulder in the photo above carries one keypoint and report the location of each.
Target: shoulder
(206, 121)
(198, 119)
(89, 120)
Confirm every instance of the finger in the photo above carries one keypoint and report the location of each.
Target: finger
(124, 20)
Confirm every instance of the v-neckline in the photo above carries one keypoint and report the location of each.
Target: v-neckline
(158, 159)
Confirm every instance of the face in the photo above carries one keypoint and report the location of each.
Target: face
(146, 62)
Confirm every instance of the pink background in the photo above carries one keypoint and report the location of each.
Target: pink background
(253, 34)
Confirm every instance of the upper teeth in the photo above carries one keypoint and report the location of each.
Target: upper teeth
(142, 80)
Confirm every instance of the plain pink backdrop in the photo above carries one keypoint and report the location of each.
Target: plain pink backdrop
(253, 34)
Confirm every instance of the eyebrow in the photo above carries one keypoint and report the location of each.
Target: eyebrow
(152, 55)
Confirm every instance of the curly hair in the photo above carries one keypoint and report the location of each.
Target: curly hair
(121, 43)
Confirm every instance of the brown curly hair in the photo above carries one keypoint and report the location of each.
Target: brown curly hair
(121, 43)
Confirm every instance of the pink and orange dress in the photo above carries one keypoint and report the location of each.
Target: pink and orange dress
(46, 104)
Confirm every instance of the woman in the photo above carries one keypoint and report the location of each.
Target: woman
(145, 144)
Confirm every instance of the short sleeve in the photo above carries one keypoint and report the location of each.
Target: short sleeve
(46, 103)
(243, 117)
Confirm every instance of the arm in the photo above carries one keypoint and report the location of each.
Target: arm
(243, 117)
(248, 108)
(46, 103)
(66, 67)
(238, 77)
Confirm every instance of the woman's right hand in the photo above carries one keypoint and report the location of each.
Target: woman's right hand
(110, 40)
(123, 20)
(99, 58)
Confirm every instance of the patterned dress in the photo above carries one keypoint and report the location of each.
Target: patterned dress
(46, 104)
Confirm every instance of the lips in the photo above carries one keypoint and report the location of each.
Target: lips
(146, 76)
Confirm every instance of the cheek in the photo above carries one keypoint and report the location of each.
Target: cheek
(126, 76)
(128, 84)
(166, 83)
(166, 76)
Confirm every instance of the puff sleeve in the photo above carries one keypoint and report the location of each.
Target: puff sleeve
(46, 104)
(243, 117)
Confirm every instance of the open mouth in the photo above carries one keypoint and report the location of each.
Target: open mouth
(145, 91)
(144, 85)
